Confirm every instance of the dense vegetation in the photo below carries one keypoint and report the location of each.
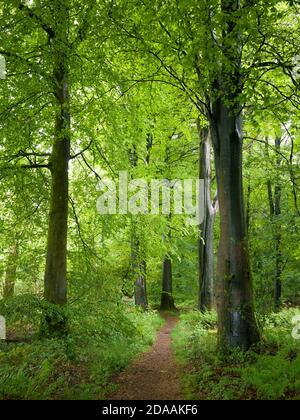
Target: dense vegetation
(267, 372)
(161, 90)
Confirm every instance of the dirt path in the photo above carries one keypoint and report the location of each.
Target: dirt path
(154, 375)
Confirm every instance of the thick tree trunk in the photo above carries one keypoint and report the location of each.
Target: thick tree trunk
(11, 272)
(167, 300)
(206, 249)
(237, 323)
(56, 264)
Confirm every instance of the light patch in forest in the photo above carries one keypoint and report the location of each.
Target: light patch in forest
(154, 197)
(2, 328)
(296, 67)
(296, 329)
(2, 67)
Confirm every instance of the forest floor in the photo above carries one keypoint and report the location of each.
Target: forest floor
(155, 375)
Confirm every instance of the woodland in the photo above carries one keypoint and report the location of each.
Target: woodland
(167, 90)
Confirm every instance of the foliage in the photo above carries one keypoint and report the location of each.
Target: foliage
(80, 365)
(268, 372)
(142, 77)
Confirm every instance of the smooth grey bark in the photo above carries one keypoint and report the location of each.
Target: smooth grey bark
(206, 247)
(236, 318)
(11, 272)
(56, 263)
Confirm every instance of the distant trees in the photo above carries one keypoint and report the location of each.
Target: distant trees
(167, 300)
(139, 270)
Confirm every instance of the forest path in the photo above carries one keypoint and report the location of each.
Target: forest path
(155, 374)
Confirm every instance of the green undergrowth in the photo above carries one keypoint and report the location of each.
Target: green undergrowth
(101, 341)
(270, 372)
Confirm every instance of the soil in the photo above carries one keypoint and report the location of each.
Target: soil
(154, 375)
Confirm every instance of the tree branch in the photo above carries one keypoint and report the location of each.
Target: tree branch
(38, 19)
(82, 151)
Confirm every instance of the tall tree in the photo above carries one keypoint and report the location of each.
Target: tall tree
(206, 248)
(278, 236)
(167, 301)
(56, 264)
(275, 212)
(237, 324)
(139, 265)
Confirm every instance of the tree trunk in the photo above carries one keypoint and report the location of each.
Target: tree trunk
(11, 272)
(139, 269)
(140, 288)
(248, 211)
(139, 265)
(278, 273)
(237, 323)
(278, 238)
(56, 263)
(167, 301)
(275, 212)
(206, 250)
(248, 198)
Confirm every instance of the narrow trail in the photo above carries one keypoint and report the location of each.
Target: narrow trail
(154, 375)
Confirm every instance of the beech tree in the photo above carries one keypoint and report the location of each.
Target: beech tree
(206, 247)
(237, 324)
(56, 264)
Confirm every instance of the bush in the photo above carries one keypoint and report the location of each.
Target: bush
(101, 341)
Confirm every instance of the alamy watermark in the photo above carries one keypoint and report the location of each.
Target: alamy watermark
(154, 197)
